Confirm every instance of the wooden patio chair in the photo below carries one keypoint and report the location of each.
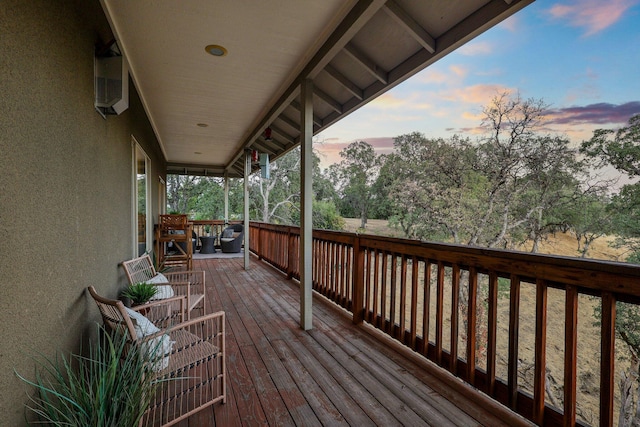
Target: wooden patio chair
(175, 230)
(189, 283)
(187, 359)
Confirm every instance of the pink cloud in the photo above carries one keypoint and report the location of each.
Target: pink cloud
(477, 94)
(330, 152)
(594, 114)
(593, 15)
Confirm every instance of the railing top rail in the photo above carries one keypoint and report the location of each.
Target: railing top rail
(597, 275)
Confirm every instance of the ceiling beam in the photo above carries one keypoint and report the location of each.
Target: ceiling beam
(289, 139)
(416, 31)
(479, 21)
(328, 99)
(367, 63)
(344, 81)
(316, 120)
(194, 169)
(239, 168)
(274, 145)
(260, 145)
(357, 18)
(289, 122)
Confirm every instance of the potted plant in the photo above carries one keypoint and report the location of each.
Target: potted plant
(140, 293)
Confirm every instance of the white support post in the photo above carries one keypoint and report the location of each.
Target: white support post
(306, 218)
(247, 172)
(226, 197)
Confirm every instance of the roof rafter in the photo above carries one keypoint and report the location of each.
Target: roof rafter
(344, 81)
(366, 62)
(316, 120)
(328, 99)
(473, 25)
(357, 18)
(289, 122)
(262, 146)
(289, 139)
(397, 13)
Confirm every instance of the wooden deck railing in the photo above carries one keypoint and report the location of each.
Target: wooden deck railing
(450, 303)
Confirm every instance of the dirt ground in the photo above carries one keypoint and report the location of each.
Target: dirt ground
(588, 331)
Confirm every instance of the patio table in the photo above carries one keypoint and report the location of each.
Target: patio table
(208, 244)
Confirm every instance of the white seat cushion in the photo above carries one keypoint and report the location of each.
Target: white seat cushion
(157, 349)
(164, 292)
(158, 279)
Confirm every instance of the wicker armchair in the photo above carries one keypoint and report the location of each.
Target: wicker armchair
(231, 238)
(191, 375)
(191, 284)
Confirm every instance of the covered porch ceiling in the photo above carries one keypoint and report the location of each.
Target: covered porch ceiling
(206, 110)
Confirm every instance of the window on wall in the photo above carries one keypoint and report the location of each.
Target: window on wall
(142, 215)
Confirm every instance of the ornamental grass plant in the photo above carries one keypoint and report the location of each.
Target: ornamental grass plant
(109, 387)
(140, 293)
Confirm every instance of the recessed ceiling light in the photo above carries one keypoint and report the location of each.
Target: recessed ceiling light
(202, 125)
(216, 50)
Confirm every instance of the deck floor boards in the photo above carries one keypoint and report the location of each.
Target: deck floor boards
(333, 375)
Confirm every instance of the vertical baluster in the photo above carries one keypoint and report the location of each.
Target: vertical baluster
(439, 312)
(492, 324)
(471, 325)
(376, 296)
(290, 257)
(540, 372)
(607, 342)
(332, 280)
(455, 309)
(514, 317)
(570, 355)
(314, 263)
(383, 293)
(426, 305)
(349, 296)
(342, 293)
(358, 282)
(414, 302)
(392, 303)
(326, 265)
(403, 299)
(367, 283)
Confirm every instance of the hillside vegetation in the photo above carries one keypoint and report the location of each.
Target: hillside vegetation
(559, 244)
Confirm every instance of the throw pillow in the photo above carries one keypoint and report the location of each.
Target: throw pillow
(158, 278)
(158, 349)
(164, 292)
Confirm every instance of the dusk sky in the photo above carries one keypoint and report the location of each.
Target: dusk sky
(582, 57)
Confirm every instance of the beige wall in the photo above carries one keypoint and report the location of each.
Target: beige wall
(65, 185)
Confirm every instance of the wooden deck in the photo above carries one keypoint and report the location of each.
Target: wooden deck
(337, 374)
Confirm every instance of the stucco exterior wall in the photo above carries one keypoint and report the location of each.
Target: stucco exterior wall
(65, 186)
